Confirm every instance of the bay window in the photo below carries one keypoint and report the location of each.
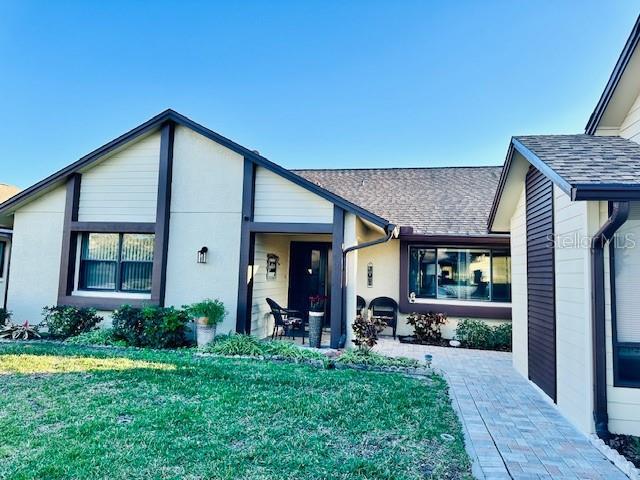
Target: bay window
(460, 274)
(120, 262)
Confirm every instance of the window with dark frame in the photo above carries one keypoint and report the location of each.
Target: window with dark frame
(473, 274)
(625, 262)
(116, 262)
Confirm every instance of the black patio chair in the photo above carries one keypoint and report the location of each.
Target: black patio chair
(289, 320)
(361, 305)
(387, 309)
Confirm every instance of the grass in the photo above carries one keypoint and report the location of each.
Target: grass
(356, 356)
(79, 412)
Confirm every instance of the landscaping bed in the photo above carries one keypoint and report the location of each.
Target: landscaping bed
(83, 412)
(627, 446)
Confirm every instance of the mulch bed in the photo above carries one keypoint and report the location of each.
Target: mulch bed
(628, 446)
(442, 343)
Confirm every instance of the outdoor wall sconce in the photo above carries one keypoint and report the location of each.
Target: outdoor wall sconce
(370, 275)
(202, 255)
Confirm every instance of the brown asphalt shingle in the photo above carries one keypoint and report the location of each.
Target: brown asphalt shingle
(434, 201)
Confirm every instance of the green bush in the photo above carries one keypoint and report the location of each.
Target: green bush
(64, 321)
(102, 336)
(213, 310)
(366, 330)
(151, 327)
(5, 316)
(236, 344)
(359, 356)
(478, 334)
(427, 326)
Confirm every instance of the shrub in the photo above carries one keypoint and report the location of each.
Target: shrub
(236, 344)
(366, 330)
(213, 310)
(478, 334)
(359, 356)
(101, 336)
(152, 327)
(5, 316)
(426, 326)
(64, 321)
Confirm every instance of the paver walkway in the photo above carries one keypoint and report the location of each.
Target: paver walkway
(511, 430)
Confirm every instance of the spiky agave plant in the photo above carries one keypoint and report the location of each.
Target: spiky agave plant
(16, 331)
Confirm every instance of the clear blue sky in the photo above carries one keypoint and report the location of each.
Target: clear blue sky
(308, 84)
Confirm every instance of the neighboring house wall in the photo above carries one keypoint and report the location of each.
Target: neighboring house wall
(124, 186)
(519, 286)
(623, 403)
(35, 256)
(573, 226)
(206, 205)
(263, 288)
(280, 200)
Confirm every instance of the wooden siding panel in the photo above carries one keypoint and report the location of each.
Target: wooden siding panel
(123, 187)
(540, 282)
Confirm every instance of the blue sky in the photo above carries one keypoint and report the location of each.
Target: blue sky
(307, 83)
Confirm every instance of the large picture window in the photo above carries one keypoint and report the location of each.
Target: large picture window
(460, 274)
(120, 262)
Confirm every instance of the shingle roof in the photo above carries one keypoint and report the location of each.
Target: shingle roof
(586, 159)
(434, 201)
(7, 191)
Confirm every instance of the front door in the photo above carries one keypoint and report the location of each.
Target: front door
(309, 275)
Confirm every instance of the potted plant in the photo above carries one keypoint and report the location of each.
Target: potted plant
(316, 319)
(207, 314)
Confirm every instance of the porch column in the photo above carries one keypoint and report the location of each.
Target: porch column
(337, 240)
(245, 277)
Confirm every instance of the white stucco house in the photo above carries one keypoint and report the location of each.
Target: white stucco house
(124, 225)
(571, 204)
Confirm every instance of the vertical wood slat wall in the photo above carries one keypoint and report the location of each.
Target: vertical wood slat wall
(540, 282)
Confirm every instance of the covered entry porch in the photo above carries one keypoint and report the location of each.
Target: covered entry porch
(290, 269)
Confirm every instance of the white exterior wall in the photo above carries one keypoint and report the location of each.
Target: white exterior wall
(35, 256)
(351, 273)
(573, 226)
(206, 205)
(124, 186)
(5, 270)
(280, 200)
(630, 127)
(623, 403)
(519, 297)
(263, 288)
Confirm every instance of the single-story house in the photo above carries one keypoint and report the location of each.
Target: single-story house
(171, 213)
(571, 204)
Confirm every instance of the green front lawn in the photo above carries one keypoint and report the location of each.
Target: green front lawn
(78, 412)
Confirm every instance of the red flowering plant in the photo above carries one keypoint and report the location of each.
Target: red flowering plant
(316, 303)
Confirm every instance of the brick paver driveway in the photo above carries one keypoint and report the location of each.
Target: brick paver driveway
(512, 430)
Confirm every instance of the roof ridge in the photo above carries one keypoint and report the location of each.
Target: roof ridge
(452, 167)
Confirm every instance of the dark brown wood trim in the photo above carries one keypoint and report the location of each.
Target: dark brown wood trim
(490, 310)
(163, 209)
(541, 312)
(7, 247)
(247, 243)
(274, 227)
(113, 227)
(69, 237)
(102, 303)
(456, 240)
(338, 319)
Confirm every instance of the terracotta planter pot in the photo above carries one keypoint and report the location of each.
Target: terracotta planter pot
(204, 333)
(315, 328)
